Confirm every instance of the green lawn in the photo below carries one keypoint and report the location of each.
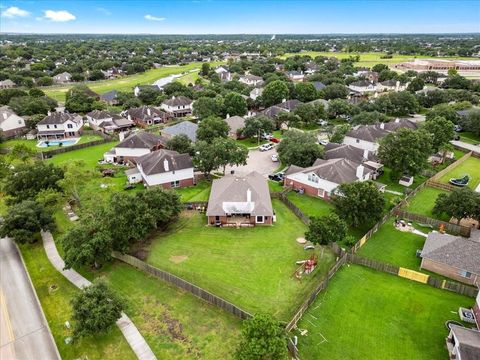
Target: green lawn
(32, 144)
(175, 324)
(57, 309)
(369, 58)
(424, 201)
(89, 155)
(310, 205)
(251, 142)
(250, 267)
(126, 83)
(189, 78)
(471, 167)
(275, 186)
(394, 246)
(393, 185)
(364, 314)
(199, 192)
(470, 138)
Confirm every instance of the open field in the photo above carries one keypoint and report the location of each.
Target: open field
(471, 167)
(57, 309)
(126, 83)
(189, 78)
(250, 267)
(32, 144)
(370, 58)
(365, 314)
(394, 246)
(424, 201)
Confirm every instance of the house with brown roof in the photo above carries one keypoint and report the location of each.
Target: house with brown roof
(452, 256)
(324, 176)
(240, 201)
(165, 168)
(146, 115)
(236, 124)
(134, 146)
(463, 343)
(107, 122)
(178, 106)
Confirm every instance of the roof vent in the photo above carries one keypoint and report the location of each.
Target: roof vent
(165, 165)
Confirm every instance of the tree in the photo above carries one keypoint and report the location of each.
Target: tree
(472, 122)
(359, 203)
(338, 133)
(334, 91)
(308, 113)
(148, 95)
(306, 91)
(50, 199)
(405, 151)
(180, 143)
(326, 229)
(96, 308)
(229, 153)
(257, 125)
(75, 176)
(441, 130)
(460, 203)
(27, 180)
(263, 337)
(416, 85)
(400, 103)
(443, 110)
(235, 104)
(25, 220)
(205, 158)
(206, 107)
(275, 92)
(21, 152)
(205, 69)
(7, 94)
(211, 128)
(77, 100)
(299, 148)
(369, 117)
(31, 105)
(456, 82)
(380, 67)
(339, 107)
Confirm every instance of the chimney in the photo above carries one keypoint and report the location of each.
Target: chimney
(149, 111)
(382, 125)
(129, 117)
(49, 113)
(249, 196)
(397, 120)
(173, 97)
(228, 116)
(360, 171)
(365, 154)
(165, 165)
(121, 135)
(284, 100)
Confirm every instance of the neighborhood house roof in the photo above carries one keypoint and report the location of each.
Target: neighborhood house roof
(454, 251)
(289, 104)
(390, 82)
(468, 342)
(57, 118)
(230, 195)
(273, 111)
(178, 101)
(339, 151)
(7, 82)
(318, 85)
(109, 96)
(141, 140)
(5, 113)
(361, 83)
(252, 77)
(235, 123)
(185, 127)
(374, 132)
(145, 112)
(162, 161)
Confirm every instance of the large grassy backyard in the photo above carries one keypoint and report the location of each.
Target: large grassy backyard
(32, 144)
(250, 267)
(310, 205)
(470, 167)
(364, 314)
(126, 83)
(424, 201)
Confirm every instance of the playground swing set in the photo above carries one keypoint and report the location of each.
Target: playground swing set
(306, 267)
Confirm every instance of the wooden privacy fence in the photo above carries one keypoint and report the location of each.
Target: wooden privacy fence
(441, 186)
(299, 213)
(451, 166)
(183, 284)
(449, 227)
(64, 149)
(413, 275)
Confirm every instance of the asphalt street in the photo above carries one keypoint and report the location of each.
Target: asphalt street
(24, 333)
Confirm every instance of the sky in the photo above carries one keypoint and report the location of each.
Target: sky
(239, 17)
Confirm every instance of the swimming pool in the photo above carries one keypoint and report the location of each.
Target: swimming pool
(57, 142)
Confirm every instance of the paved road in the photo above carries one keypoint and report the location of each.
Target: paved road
(259, 161)
(24, 333)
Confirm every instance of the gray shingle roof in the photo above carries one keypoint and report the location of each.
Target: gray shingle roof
(178, 101)
(185, 127)
(56, 118)
(454, 251)
(142, 113)
(109, 96)
(369, 133)
(231, 190)
(339, 151)
(141, 140)
(273, 111)
(154, 163)
(361, 83)
(235, 123)
(289, 104)
(468, 342)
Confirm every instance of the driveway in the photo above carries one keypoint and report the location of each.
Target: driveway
(259, 161)
(24, 333)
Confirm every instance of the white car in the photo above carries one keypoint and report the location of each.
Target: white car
(323, 142)
(266, 136)
(275, 158)
(322, 122)
(265, 147)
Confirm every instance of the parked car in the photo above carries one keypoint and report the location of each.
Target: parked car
(275, 158)
(266, 136)
(274, 140)
(265, 147)
(322, 122)
(277, 176)
(458, 128)
(323, 142)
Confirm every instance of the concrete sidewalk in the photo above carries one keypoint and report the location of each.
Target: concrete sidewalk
(24, 331)
(127, 327)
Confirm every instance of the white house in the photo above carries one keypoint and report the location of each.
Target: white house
(363, 86)
(178, 106)
(295, 75)
(255, 93)
(251, 80)
(165, 168)
(391, 85)
(133, 147)
(59, 125)
(324, 176)
(62, 78)
(10, 123)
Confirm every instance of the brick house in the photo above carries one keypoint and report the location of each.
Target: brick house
(452, 256)
(240, 201)
(146, 115)
(10, 123)
(165, 168)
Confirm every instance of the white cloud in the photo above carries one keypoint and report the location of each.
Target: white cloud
(154, 18)
(104, 11)
(14, 11)
(59, 16)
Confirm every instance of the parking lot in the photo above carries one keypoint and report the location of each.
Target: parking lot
(259, 161)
